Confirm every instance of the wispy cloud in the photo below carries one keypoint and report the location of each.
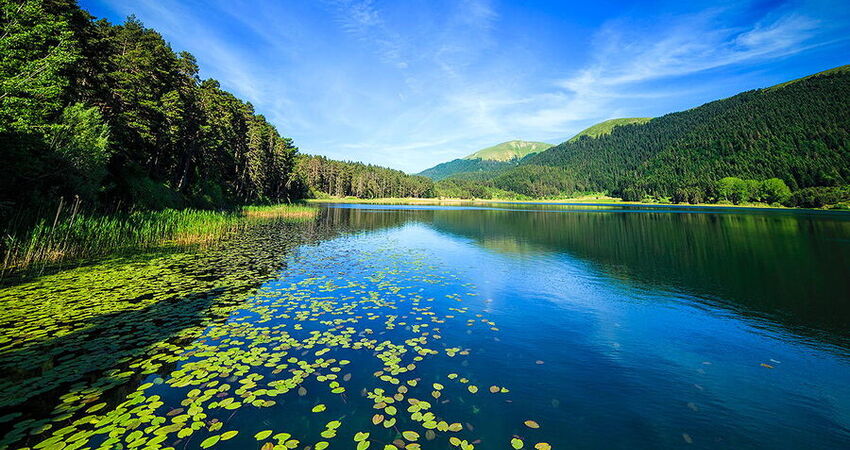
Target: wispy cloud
(411, 84)
(630, 56)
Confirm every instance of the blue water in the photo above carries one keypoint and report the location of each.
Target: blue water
(609, 327)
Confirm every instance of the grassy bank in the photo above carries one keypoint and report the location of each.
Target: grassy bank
(588, 199)
(73, 235)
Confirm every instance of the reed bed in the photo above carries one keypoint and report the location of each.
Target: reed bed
(71, 234)
(290, 211)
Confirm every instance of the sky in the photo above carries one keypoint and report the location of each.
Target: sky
(409, 84)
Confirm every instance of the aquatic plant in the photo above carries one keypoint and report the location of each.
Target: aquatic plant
(71, 235)
(222, 362)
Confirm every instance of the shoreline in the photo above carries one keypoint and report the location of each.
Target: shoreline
(580, 201)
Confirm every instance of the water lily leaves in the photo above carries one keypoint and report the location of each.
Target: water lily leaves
(363, 445)
(542, 446)
(361, 436)
(410, 435)
(531, 424)
(262, 435)
(277, 342)
(517, 443)
(210, 441)
(229, 434)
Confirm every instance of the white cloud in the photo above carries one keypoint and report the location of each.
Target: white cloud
(412, 84)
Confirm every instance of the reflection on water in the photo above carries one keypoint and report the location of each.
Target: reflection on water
(433, 327)
(787, 266)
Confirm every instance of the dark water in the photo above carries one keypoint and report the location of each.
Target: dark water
(609, 327)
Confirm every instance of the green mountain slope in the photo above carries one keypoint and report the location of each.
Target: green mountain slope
(507, 151)
(603, 128)
(490, 160)
(798, 132)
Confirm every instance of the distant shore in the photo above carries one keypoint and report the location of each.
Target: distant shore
(585, 200)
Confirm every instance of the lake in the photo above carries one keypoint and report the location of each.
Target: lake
(434, 327)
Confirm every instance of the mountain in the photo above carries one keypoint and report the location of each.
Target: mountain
(603, 128)
(488, 160)
(510, 150)
(797, 131)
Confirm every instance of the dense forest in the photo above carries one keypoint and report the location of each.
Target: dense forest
(112, 115)
(322, 176)
(797, 132)
(792, 140)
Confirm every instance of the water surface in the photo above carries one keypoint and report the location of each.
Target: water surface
(607, 326)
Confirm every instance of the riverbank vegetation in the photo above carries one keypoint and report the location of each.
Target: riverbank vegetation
(71, 234)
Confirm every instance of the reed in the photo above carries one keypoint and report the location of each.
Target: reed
(69, 234)
(290, 211)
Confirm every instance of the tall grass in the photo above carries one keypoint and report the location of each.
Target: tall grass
(291, 211)
(70, 234)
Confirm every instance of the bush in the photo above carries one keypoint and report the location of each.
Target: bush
(818, 197)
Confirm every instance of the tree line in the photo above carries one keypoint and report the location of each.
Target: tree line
(110, 113)
(113, 115)
(321, 176)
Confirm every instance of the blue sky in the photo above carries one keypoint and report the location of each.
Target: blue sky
(408, 84)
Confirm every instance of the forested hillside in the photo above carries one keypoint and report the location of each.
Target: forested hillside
(603, 128)
(797, 132)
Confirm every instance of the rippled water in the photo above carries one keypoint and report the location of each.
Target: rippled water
(607, 327)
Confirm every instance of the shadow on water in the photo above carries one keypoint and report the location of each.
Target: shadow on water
(96, 331)
(36, 375)
(775, 265)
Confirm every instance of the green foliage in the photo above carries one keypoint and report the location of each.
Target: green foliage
(799, 133)
(37, 48)
(536, 181)
(773, 190)
(471, 189)
(318, 176)
(603, 128)
(818, 197)
(82, 140)
(736, 190)
(111, 113)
